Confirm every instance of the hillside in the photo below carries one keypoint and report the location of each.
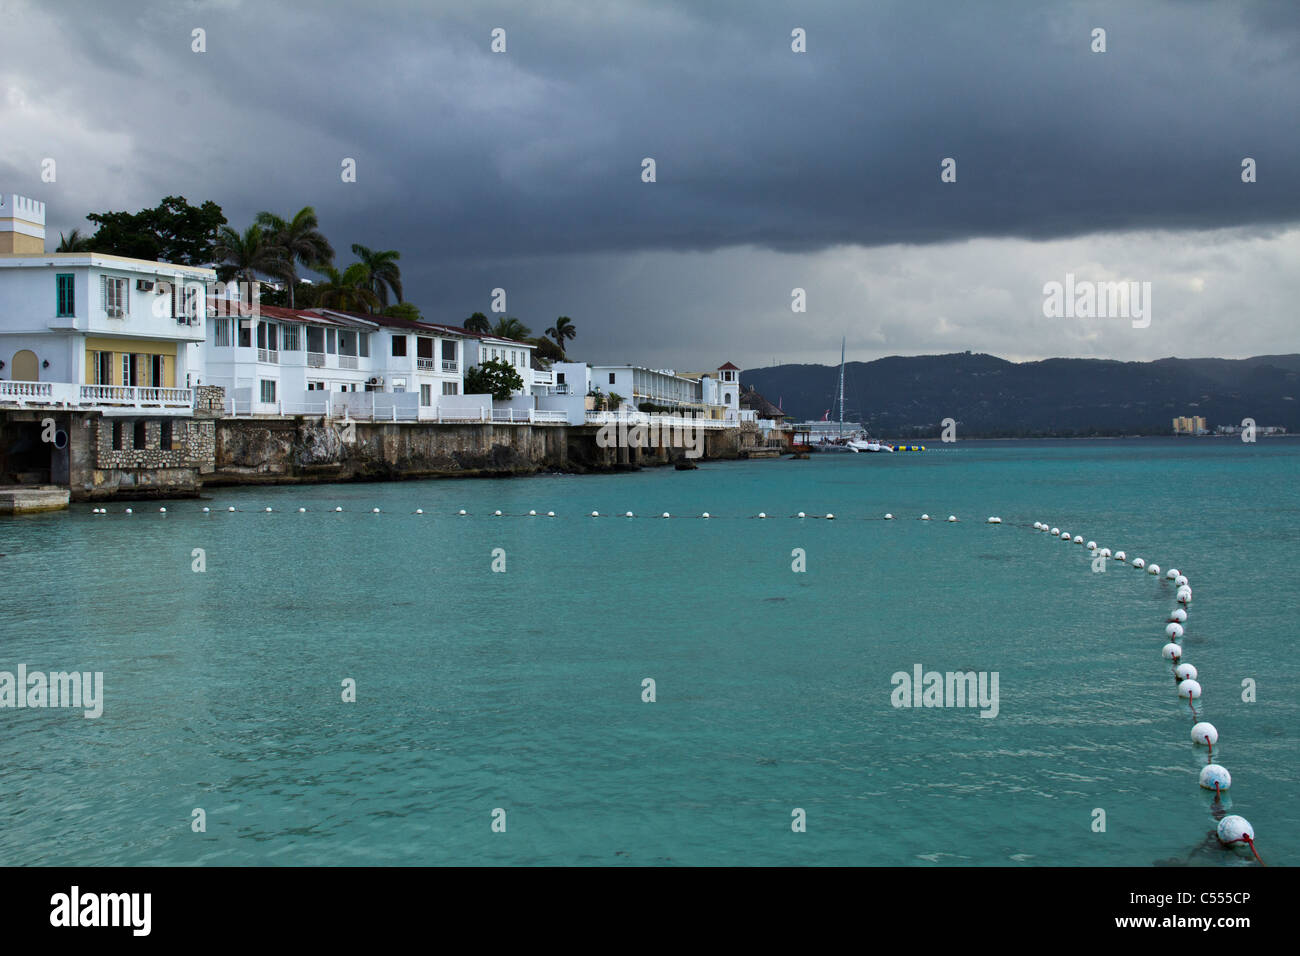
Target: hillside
(909, 396)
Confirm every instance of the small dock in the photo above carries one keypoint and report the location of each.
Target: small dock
(29, 499)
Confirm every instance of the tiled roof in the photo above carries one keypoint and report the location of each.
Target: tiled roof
(728, 368)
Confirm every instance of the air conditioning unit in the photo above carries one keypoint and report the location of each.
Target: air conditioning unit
(143, 285)
(375, 381)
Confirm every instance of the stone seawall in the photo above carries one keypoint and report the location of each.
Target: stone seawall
(272, 451)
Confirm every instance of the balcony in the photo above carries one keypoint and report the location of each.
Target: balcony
(347, 361)
(424, 364)
(268, 355)
(450, 365)
(110, 399)
(543, 376)
(315, 359)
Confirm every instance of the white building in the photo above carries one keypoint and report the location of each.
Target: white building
(583, 392)
(486, 348)
(94, 331)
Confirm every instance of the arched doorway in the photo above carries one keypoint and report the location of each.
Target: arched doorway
(25, 368)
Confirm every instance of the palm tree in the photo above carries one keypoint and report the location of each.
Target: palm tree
(511, 328)
(246, 254)
(349, 290)
(384, 271)
(73, 242)
(478, 322)
(299, 240)
(561, 330)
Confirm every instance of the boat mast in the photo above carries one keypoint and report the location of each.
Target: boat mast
(841, 431)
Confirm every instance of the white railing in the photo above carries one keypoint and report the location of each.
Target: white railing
(450, 365)
(424, 364)
(541, 415)
(541, 377)
(112, 397)
(315, 359)
(268, 355)
(347, 361)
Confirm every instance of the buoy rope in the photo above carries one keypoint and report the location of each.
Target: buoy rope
(1251, 843)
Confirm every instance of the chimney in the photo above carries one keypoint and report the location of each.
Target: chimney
(22, 225)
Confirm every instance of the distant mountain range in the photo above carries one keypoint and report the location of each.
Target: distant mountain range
(991, 397)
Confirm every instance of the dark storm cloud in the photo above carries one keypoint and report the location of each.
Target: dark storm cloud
(485, 167)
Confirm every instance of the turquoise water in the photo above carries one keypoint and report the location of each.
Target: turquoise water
(521, 690)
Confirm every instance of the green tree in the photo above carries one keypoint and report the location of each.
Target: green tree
(349, 290)
(402, 310)
(478, 322)
(245, 255)
(500, 379)
(614, 401)
(173, 231)
(384, 271)
(298, 240)
(547, 349)
(73, 242)
(511, 328)
(562, 331)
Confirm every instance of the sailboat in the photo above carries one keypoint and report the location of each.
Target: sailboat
(857, 441)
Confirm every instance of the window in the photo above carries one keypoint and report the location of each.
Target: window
(611, 378)
(157, 371)
(117, 436)
(101, 368)
(559, 378)
(399, 385)
(223, 337)
(290, 333)
(399, 346)
(451, 388)
(331, 341)
(315, 386)
(139, 437)
(726, 399)
(448, 350)
(268, 390)
(423, 347)
(315, 339)
(262, 329)
(113, 292)
(165, 436)
(132, 368)
(363, 344)
(426, 395)
(65, 294)
(245, 333)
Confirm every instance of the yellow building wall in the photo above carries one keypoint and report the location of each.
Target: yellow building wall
(139, 346)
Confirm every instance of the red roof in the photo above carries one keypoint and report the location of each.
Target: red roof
(728, 368)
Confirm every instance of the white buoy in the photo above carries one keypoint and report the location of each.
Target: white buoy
(801, 514)
(889, 517)
(595, 514)
(627, 514)
(129, 511)
(1178, 615)
(1091, 545)
(532, 513)
(1139, 563)
(1189, 689)
(925, 517)
(761, 514)
(1105, 552)
(1055, 532)
(375, 511)
(550, 514)
(495, 514)
(1153, 569)
(1172, 574)
(1184, 595)
(303, 511)
(1174, 631)
(1212, 774)
(829, 516)
(1205, 733)
(706, 514)
(1121, 557)
(993, 520)
(1037, 525)
(1235, 829)
(338, 509)
(206, 510)
(418, 511)
(1171, 651)
(268, 510)
(163, 511)
(667, 515)
(1181, 582)
(1078, 539)
(1185, 672)
(461, 511)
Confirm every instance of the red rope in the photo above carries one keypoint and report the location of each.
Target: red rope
(1251, 843)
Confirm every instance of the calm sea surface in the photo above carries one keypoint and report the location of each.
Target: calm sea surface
(522, 690)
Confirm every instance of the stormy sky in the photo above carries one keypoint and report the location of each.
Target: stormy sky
(775, 170)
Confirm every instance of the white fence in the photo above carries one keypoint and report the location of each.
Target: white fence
(110, 399)
(382, 407)
(663, 421)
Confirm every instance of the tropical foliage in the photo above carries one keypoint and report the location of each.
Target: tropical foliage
(294, 241)
(349, 290)
(478, 322)
(173, 231)
(385, 276)
(562, 331)
(495, 377)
